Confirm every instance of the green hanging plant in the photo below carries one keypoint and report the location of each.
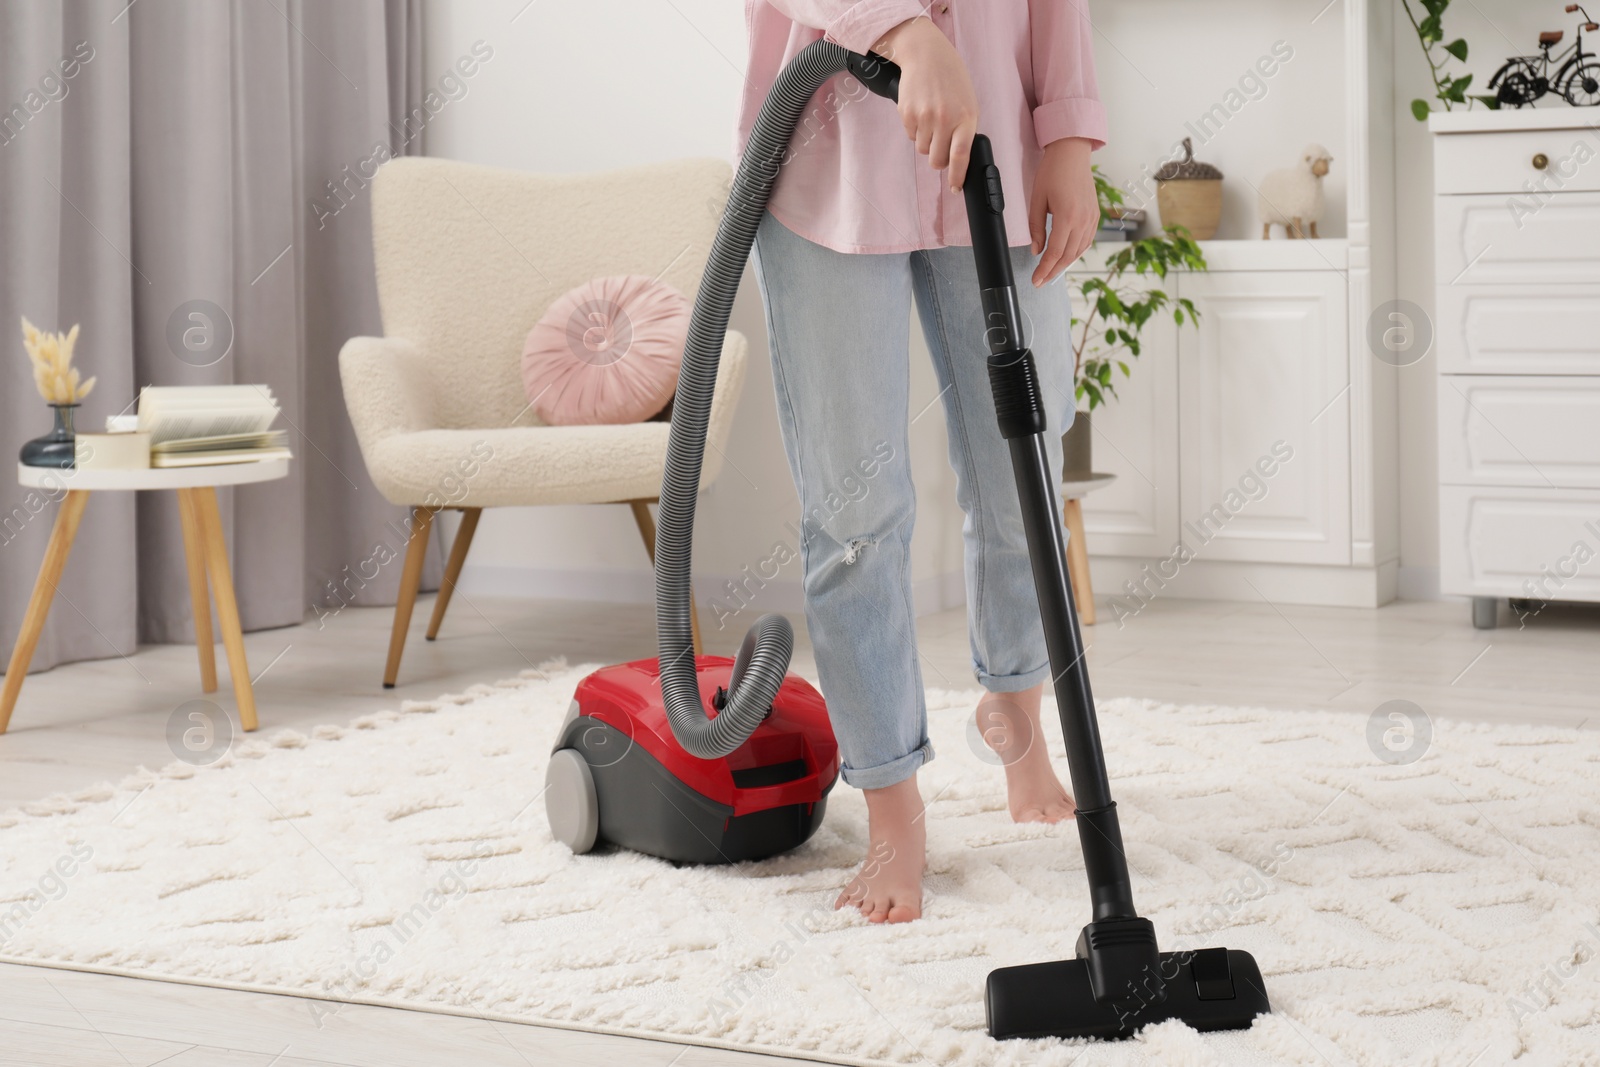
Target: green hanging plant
(1115, 313)
(1447, 87)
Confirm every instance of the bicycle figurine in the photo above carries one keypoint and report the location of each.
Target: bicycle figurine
(1525, 79)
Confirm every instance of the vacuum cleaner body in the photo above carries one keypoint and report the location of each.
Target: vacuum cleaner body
(646, 793)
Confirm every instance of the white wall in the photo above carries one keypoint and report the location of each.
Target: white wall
(1164, 65)
(579, 85)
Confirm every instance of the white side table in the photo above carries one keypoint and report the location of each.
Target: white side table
(203, 547)
(1073, 491)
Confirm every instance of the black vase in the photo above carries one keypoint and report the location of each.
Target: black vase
(54, 449)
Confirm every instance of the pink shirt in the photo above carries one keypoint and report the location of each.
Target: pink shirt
(853, 180)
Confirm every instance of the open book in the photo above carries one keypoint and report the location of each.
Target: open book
(191, 426)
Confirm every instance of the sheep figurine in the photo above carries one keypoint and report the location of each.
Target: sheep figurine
(1292, 197)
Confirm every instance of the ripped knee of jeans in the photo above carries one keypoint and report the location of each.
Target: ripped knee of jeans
(852, 550)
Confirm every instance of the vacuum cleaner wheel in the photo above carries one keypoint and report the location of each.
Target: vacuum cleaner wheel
(570, 802)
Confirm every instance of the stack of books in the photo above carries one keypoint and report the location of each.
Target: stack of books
(192, 426)
(1122, 227)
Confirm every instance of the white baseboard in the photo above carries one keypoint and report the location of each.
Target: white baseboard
(1201, 579)
(558, 583)
(637, 586)
(1420, 583)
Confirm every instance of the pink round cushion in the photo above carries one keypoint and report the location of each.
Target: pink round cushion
(606, 352)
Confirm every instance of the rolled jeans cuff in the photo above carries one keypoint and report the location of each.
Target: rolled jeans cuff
(886, 774)
(1014, 683)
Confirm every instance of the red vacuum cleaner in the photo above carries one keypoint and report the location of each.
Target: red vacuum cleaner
(619, 775)
(711, 760)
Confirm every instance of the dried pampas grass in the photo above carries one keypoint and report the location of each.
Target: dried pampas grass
(53, 372)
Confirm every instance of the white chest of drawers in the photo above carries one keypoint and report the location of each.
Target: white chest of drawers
(1517, 269)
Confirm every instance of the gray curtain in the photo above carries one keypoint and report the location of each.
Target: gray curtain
(179, 157)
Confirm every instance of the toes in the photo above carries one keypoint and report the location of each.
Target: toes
(1054, 810)
(878, 915)
(1064, 806)
(904, 913)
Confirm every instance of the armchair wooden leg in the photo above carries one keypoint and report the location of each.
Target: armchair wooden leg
(410, 579)
(647, 530)
(44, 590)
(194, 554)
(452, 568)
(209, 523)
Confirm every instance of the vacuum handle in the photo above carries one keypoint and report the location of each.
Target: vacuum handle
(986, 209)
(982, 187)
(876, 73)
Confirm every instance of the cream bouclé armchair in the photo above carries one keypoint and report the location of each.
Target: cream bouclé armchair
(468, 258)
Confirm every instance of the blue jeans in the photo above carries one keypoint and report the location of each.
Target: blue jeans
(839, 325)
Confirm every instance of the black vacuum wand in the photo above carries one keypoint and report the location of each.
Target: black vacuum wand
(1119, 981)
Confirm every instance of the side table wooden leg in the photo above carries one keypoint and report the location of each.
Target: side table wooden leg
(194, 554)
(216, 552)
(1078, 563)
(44, 590)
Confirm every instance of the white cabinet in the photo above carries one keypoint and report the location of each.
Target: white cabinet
(1517, 241)
(1262, 384)
(1234, 438)
(1135, 437)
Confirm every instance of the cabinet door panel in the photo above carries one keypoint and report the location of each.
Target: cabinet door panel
(1504, 430)
(1538, 543)
(1517, 240)
(1501, 329)
(1265, 418)
(1136, 438)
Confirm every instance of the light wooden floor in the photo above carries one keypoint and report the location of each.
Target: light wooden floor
(84, 723)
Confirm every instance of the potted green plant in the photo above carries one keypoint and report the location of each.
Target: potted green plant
(1111, 312)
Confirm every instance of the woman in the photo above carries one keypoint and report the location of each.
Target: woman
(857, 230)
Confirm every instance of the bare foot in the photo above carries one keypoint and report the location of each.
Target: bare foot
(888, 888)
(1009, 724)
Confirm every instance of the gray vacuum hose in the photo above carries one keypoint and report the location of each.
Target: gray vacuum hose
(764, 659)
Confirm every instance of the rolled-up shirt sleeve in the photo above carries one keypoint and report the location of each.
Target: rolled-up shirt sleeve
(1068, 100)
(853, 24)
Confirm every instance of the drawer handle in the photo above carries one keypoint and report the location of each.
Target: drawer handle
(1540, 161)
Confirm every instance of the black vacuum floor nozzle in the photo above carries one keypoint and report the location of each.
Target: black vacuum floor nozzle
(1208, 989)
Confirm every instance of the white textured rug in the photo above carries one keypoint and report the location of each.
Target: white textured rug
(1442, 912)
